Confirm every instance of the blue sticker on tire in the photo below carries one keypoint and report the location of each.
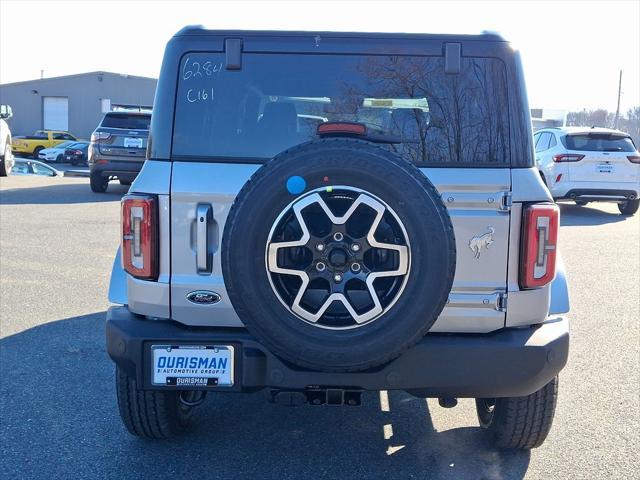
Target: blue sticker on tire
(296, 185)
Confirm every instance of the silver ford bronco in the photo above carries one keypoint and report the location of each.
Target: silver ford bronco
(321, 214)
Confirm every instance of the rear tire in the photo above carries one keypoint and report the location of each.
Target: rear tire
(519, 422)
(99, 183)
(6, 162)
(126, 183)
(150, 414)
(36, 152)
(630, 207)
(581, 203)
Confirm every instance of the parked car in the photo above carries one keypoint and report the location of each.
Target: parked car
(590, 165)
(55, 154)
(34, 167)
(318, 263)
(6, 156)
(76, 153)
(118, 148)
(41, 139)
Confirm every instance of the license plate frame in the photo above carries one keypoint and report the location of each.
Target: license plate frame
(607, 168)
(130, 142)
(174, 374)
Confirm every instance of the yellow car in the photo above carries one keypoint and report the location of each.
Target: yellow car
(31, 145)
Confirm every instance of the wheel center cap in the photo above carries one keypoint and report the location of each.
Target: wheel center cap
(338, 258)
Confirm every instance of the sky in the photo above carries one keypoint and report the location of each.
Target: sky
(572, 50)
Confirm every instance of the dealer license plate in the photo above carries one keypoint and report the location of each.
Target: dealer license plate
(192, 365)
(604, 168)
(132, 142)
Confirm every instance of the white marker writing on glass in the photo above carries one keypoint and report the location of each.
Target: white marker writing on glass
(200, 95)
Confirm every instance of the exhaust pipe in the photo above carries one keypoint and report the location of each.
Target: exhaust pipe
(447, 402)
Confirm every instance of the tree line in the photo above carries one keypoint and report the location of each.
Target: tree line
(629, 122)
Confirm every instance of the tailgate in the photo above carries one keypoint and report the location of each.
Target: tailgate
(604, 157)
(129, 143)
(477, 201)
(603, 167)
(124, 134)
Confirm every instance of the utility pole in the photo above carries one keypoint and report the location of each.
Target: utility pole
(41, 74)
(619, 93)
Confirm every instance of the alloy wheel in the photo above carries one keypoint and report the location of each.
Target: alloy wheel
(338, 257)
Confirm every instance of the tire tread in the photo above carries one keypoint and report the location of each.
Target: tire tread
(524, 422)
(148, 414)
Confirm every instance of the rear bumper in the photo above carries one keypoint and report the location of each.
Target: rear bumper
(124, 169)
(506, 363)
(595, 194)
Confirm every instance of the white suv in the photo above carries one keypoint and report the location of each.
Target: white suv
(590, 165)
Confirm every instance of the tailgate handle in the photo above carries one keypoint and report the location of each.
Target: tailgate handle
(203, 257)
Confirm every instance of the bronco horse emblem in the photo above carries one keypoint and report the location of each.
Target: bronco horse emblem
(479, 241)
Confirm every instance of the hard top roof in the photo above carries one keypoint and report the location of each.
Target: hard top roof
(200, 30)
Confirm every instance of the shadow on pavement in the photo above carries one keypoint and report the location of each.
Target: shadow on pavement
(62, 193)
(574, 215)
(60, 420)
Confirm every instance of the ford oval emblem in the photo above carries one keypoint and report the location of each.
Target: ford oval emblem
(203, 297)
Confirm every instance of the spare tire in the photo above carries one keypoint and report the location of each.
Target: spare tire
(338, 255)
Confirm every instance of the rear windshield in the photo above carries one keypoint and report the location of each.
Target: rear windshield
(597, 142)
(278, 100)
(129, 122)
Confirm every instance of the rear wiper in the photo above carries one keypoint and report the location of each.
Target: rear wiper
(613, 149)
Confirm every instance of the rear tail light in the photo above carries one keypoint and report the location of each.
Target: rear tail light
(567, 157)
(633, 158)
(140, 236)
(539, 244)
(97, 136)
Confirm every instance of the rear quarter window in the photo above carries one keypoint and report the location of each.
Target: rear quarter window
(278, 100)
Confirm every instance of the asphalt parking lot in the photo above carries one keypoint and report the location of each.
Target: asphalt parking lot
(59, 418)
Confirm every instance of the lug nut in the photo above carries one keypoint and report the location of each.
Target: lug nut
(355, 247)
(320, 247)
(355, 267)
(337, 278)
(320, 266)
(338, 236)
